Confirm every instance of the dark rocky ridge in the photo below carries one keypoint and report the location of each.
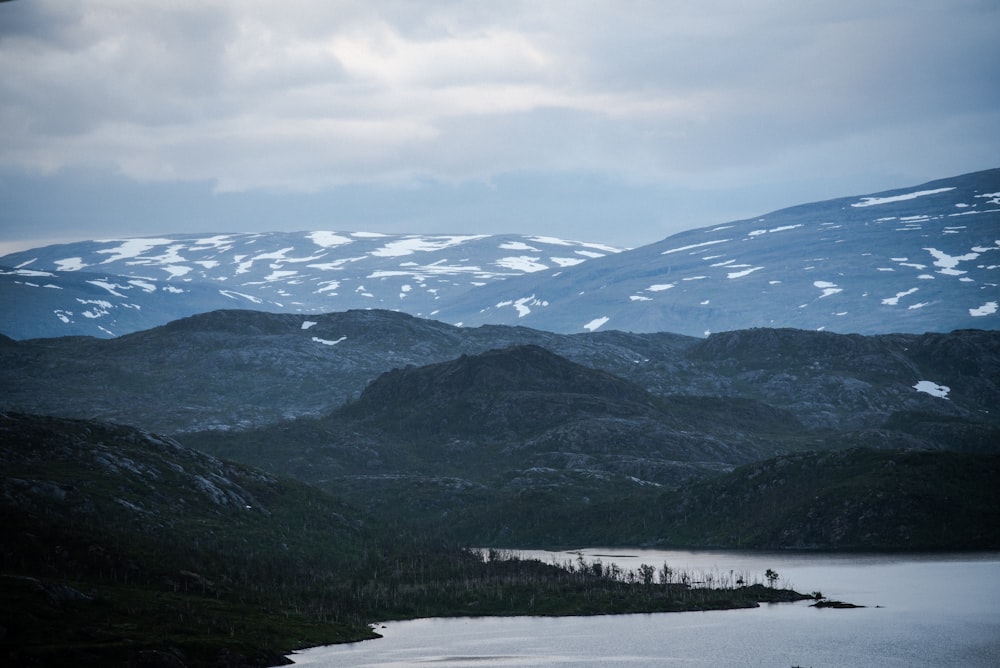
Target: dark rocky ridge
(573, 418)
(233, 369)
(857, 499)
(486, 440)
(238, 369)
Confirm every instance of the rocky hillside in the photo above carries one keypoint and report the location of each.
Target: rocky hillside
(123, 546)
(489, 431)
(236, 369)
(519, 411)
(857, 499)
(495, 442)
(239, 369)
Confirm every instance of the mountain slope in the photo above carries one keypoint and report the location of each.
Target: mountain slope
(854, 499)
(471, 434)
(858, 499)
(109, 288)
(476, 414)
(852, 381)
(491, 444)
(916, 259)
(925, 258)
(239, 369)
(233, 369)
(480, 418)
(122, 547)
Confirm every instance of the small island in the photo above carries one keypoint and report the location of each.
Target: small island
(835, 604)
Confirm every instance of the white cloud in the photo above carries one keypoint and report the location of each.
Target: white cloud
(304, 96)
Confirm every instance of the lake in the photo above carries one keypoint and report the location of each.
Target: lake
(922, 610)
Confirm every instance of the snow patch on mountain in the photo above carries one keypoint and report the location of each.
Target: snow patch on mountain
(327, 239)
(327, 342)
(744, 272)
(523, 263)
(232, 294)
(67, 264)
(680, 249)
(989, 308)
(948, 263)
(145, 286)
(932, 388)
(523, 305)
(780, 228)
(894, 301)
(603, 248)
(133, 248)
(420, 244)
(569, 261)
(873, 201)
(113, 288)
(827, 287)
(518, 246)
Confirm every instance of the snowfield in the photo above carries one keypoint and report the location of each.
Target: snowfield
(898, 261)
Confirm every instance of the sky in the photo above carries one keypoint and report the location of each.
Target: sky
(618, 121)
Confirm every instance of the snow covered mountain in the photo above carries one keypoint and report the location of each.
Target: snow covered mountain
(925, 258)
(114, 287)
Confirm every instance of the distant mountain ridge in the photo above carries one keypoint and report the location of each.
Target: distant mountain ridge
(118, 286)
(238, 369)
(924, 258)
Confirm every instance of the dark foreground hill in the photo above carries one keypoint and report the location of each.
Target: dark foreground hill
(122, 548)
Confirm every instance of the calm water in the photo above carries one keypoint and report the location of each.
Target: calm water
(941, 610)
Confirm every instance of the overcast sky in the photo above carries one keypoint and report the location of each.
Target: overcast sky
(613, 121)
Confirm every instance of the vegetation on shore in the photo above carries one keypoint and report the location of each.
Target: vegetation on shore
(124, 548)
(94, 601)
